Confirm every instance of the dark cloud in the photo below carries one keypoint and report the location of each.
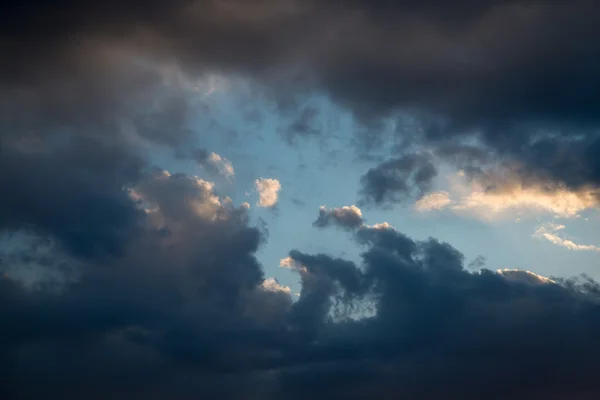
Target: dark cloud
(347, 217)
(74, 193)
(73, 138)
(520, 76)
(440, 330)
(398, 179)
(465, 156)
(461, 60)
(156, 311)
(161, 294)
(183, 312)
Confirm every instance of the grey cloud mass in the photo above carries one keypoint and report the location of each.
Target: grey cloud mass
(398, 179)
(161, 294)
(182, 313)
(172, 318)
(520, 76)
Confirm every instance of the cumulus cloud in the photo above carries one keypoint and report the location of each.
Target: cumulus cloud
(550, 233)
(286, 262)
(271, 285)
(347, 217)
(166, 197)
(191, 262)
(290, 263)
(422, 290)
(268, 192)
(433, 201)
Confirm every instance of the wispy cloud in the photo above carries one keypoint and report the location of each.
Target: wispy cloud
(433, 201)
(560, 202)
(549, 232)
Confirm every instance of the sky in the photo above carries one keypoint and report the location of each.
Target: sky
(281, 199)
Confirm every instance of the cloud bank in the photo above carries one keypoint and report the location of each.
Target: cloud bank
(153, 289)
(186, 303)
(519, 76)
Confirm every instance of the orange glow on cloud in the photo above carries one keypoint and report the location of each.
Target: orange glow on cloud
(508, 196)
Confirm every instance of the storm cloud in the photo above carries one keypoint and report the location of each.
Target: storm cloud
(184, 310)
(520, 76)
(150, 285)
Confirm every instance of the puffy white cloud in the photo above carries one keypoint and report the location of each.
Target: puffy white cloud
(268, 191)
(290, 263)
(175, 201)
(271, 285)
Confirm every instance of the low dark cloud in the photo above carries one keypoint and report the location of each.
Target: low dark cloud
(156, 311)
(403, 178)
(180, 315)
(440, 330)
(74, 193)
